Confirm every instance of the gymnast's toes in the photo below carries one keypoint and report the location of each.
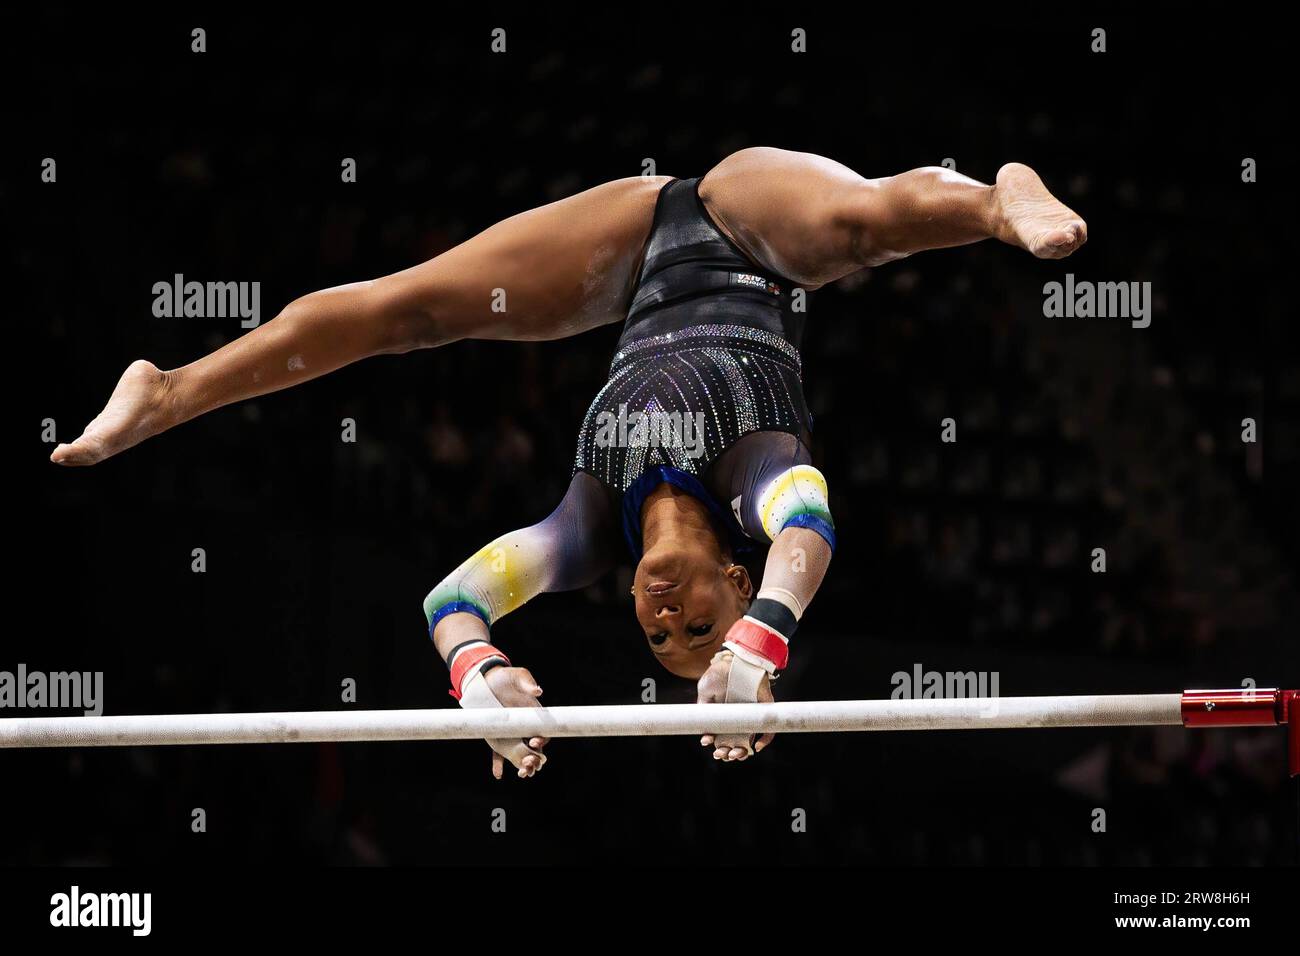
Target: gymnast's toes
(134, 412)
(1032, 218)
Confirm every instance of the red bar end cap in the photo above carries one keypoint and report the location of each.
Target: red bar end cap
(1291, 714)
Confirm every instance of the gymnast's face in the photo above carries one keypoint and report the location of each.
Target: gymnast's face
(686, 601)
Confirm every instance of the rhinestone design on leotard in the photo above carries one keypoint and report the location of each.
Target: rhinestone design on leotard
(726, 332)
(742, 379)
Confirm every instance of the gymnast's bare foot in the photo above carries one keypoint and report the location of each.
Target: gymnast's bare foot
(135, 411)
(1032, 218)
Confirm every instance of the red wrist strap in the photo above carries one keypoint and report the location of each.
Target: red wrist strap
(760, 640)
(468, 659)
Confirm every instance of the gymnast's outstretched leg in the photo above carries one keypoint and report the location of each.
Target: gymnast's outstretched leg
(814, 220)
(547, 273)
(569, 266)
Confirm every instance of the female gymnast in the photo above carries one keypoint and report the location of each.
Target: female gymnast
(698, 442)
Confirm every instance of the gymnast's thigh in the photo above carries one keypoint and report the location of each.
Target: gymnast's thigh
(547, 273)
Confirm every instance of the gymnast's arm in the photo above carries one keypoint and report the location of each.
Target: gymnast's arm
(784, 499)
(790, 506)
(570, 549)
(796, 566)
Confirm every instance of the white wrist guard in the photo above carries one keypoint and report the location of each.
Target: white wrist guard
(475, 692)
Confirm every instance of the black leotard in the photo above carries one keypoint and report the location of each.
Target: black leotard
(710, 339)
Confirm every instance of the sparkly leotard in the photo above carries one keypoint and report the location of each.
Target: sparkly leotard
(704, 392)
(709, 338)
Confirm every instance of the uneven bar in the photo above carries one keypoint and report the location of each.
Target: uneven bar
(636, 720)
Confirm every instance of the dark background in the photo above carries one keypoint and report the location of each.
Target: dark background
(1073, 434)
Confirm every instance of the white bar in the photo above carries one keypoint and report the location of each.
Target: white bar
(637, 720)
